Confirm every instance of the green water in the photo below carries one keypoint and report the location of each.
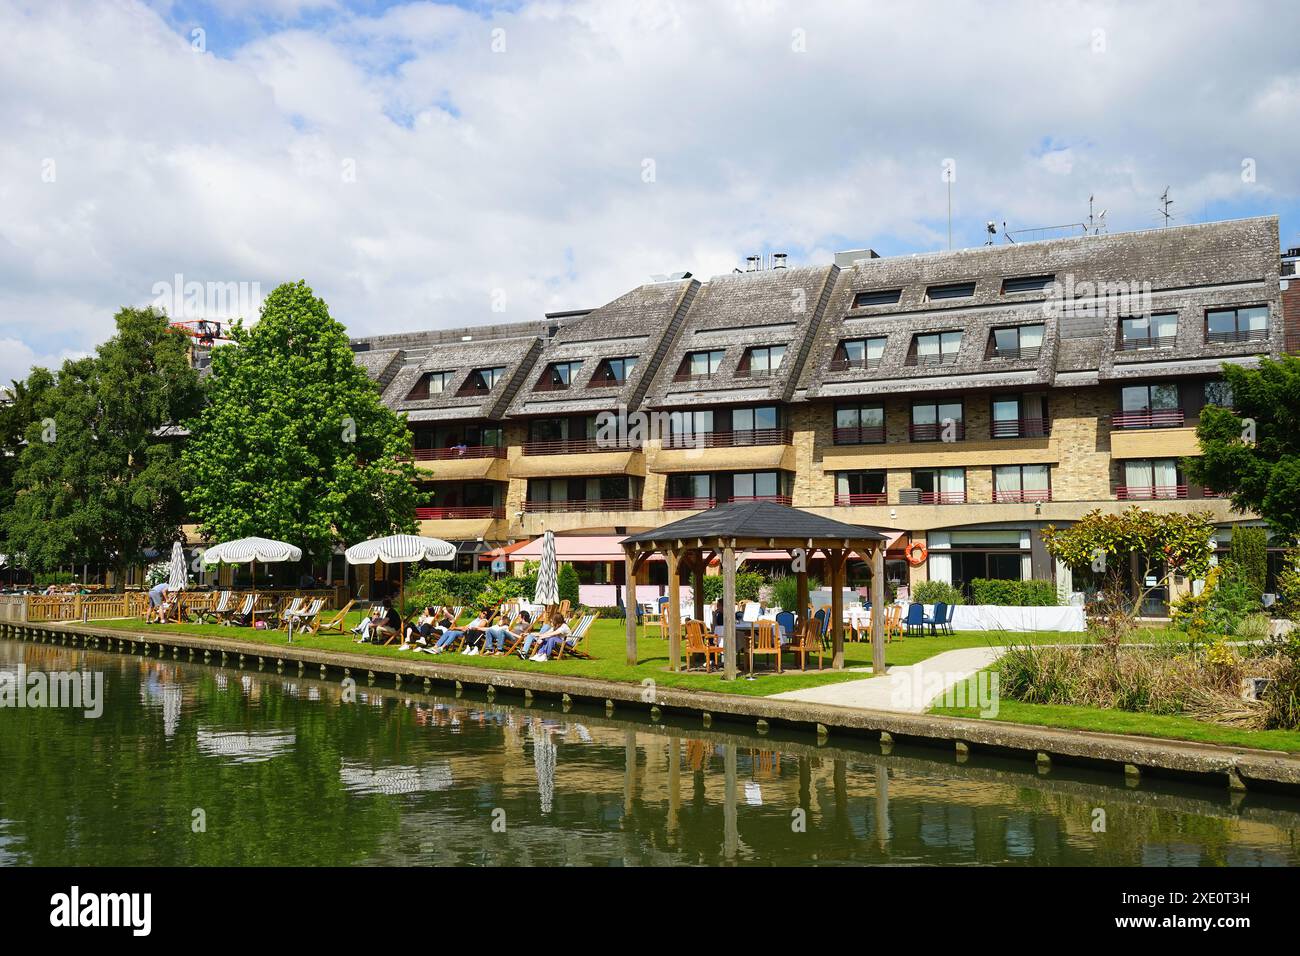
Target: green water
(277, 769)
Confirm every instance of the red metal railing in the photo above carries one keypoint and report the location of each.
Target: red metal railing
(1021, 428)
(1149, 492)
(462, 451)
(867, 498)
(777, 499)
(732, 439)
(689, 504)
(584, 504)
(943, 497)
(451, 513)
(937, 431)
(859, 435)
(575, 446)
(1147, 342)
(1239, 335)
(1023, 495)
(1211, 493)
(1149, 418)
(845, 364)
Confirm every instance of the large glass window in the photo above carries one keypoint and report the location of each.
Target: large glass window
(937, 348)
(1018, 342)
(1237, 325)
(483, 379)
(1148, 331)
(612, 371)
(428, 384)
(763, 360)
(700, 364)
(755, 484)
(859, 425)
(761, 418)
(1022, 483)
(859, 353)
(940, 486)
(1019, 416)
(1149, 406)
(559, 376)
(937, 421)
(860, 487)
(1146, 478)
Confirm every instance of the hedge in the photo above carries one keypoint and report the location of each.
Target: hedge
(747, 586)
(1013, 593)
(932, 592)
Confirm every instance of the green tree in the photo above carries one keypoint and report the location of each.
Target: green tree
(569, 585)
(1252, 451)
(98, 479)
(1249, 556)
(17, 413)
(1178, 543)
(294, 443)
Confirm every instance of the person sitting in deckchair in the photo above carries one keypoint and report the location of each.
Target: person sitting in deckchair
(476, 637)
(419, 630)
(453, 634)
(389, 626)
(501, 630)
(368, 623)
(555, 627)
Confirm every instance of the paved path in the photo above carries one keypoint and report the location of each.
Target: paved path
(906, 689)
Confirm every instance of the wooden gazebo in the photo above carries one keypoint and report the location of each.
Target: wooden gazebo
(693, 542)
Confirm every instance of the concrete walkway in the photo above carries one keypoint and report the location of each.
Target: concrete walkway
(908, 689)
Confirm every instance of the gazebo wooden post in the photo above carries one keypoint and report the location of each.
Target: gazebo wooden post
(674, 610)
(801, 612)
(697, 583)
(728, 611)
(629, 604)
(835, 558)
(878, 608)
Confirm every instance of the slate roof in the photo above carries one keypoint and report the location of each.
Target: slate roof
(758, 520)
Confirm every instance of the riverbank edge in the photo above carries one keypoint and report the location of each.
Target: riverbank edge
(1236, 768)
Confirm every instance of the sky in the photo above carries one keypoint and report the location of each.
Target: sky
(437, 165)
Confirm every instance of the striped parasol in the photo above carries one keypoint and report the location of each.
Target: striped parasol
(548, 579)
(177, 573)
(250, 551)
(400, 549)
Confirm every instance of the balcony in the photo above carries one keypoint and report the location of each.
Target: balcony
(1022, 496)
(574, 446)
(732, 439)
(867, 498)
(689, 504)
(467, 512)
(1237, 335)
(583, 505)
(1148, 418)
(848, 364)
(1150, 492)
(459, 452)
(693, 377)
(1018, 353)
(943, 497)
(1021, 428)
(469, 390)
(755, 372)
(1147, 344)
(747, 499)
(859, 435)
(924, 360)
(935, 431)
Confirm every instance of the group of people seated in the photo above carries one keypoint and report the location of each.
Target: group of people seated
(493, 634)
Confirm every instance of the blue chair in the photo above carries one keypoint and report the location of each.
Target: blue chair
(940, 615)
(916, 619)
(785, 621)
(823, 621)
(947, 621)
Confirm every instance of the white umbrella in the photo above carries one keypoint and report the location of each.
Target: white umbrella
(548, 582)
(177, 573)
(400, 549)
(251, 551)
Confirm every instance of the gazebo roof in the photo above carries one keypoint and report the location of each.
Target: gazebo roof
(755, 523)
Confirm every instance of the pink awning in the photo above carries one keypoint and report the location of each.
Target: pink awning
(579, 548)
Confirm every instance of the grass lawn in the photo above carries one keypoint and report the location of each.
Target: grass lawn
(606, 644)
(1127, 722)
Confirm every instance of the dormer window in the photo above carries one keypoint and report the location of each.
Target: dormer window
(935, 348)
(1237, 325)
(1017, 342)
(761, 360)
(1027, 284)
(612, 371)
(482, 380)
(858, 353)
(699, 365)
(877, 297)
(429, 384)
(1141, 332)
(951, 290)
(558, 376)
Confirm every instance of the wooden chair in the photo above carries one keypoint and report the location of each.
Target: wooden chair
(336, 622)
(806, 639)
(575, 645)
(893, 621)
(290, 611)
(765, 638)
(698, 644)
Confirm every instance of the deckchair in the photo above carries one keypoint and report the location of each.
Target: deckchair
(219, 608)
(245, 613)
(575, 645)
(307, 618)
(294, 608)
(336, 622)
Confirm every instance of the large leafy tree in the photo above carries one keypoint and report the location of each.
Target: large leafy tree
(294, 443)
(1252, 450)
(98, 478)
(17, 412)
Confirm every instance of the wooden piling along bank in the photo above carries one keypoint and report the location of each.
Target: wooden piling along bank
(1130, 757)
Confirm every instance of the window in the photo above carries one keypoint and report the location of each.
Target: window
(1022, 483)
(959, 557)
(559, 436)
(749, 485)
(558, 376)
(1148, 331)
(612, 371)
(430, 383)
(877, 297)
(482, 380)
(690, 423)
(761, 360)
(1218, 393)
(584, 494)
(760, 419)
(952, 290)
(1146, 478)
(937, 421)
(1026, 284)
(860, 488)
(1019, 416)
(1018, 342)
(940, 486)
(935, 348)
(1237, 325)
(1149, 406)
(859, 425)
(858, 353)
(699, 365)
(690, 491)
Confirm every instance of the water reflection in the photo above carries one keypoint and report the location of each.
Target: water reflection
(288, 772)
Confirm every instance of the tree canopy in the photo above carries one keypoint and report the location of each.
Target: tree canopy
(1251, 451)
(294, 442)
(98, 478)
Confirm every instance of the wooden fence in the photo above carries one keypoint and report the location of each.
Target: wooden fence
(40, 608)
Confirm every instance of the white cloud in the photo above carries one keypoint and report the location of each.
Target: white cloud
(406, 170)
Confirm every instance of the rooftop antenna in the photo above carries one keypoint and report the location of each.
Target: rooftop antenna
(1096, 224)
(949, 174)
(1165, 203)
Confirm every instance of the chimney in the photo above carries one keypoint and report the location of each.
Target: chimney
(778, 260)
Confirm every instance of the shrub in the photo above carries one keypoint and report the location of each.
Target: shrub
(569, 584)
(748, 584)
(1249, 555)
(932, 592)
(1254, 627)
(1013, 593)
(67, 577)
(785, 591)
